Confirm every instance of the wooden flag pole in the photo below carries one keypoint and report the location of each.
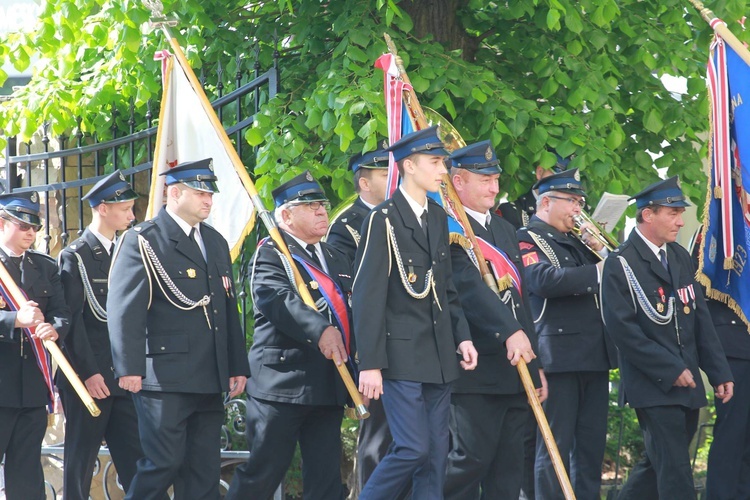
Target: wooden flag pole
(721, 29)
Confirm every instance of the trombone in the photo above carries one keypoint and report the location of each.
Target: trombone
(596, 231)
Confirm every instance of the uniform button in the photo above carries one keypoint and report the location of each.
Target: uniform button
(212, 294)
(209, 276)
(658, 380)
(112, 368)
(433, 262)
(588, 289)
(410, 261)
(566, 258)
(25, 356)
(497, 335)
(559, 330)
(216, 328)
(387, 334)
(216, 311)
(309, 341)
(282, 358)
(163, 348)
(2, 336)
(434, 322)
(734, 322)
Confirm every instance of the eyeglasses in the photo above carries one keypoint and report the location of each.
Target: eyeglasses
(23, 227)
(314, 205)
(581, 203)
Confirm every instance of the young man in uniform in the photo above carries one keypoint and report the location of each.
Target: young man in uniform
(84, 270)
(25, 392)
(408, 322)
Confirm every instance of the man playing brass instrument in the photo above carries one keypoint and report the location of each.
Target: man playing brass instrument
(562, 276)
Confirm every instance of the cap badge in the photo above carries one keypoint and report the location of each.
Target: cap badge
(211, 165)
(488, 154)
(309, 177)
(385, 144)
(34, 198)
(122, 177)
(577, 176)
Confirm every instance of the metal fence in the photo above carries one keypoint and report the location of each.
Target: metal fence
(59, 168)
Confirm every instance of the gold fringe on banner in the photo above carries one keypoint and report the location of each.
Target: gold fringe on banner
(504, 283)
(728, 264)
(718, 193)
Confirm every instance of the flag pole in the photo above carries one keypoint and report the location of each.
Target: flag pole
(161, 22)
(412, 102)
(721, 29)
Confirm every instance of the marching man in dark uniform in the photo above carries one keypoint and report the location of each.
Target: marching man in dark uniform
(658, 318)
(727, 475)
(370, 179)
(26, 390)
(408, 322)
(176, 338)
(562, 276)
(489, 407)
(295, 392)
(519, 211)
(84, 270)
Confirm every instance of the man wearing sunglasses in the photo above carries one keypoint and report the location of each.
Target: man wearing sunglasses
(295, 394)
(562, 277)
(24, 390)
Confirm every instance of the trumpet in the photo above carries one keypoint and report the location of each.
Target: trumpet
(595, 230)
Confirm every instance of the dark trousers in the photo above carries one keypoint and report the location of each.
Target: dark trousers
(729, 458)
(487, 439)
(372, 442)
(117, 423)
(273, 431)
(181, 440)
(418, 416)
(577, 413)
(665, 471)
(529, 457)
(21, 435)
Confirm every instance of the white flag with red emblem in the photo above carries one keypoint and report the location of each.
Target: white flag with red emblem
(190, 130)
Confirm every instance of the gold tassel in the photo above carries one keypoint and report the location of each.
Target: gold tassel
(504, 283)
(728, 263)
(460, 239)
(718, 193)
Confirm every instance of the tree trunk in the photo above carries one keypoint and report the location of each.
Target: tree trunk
(439, 18)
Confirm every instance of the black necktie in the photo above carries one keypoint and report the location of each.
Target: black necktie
(194, 239)
(423, 218)
(663, 259)
(311, 250)
(15, 269)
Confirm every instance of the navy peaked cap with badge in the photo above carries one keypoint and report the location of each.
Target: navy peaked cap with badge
(561, 164)
(195, 174)
(478, 158)
(425, 141)
(110, 189)
(302, 188)
(666, 193)
(373, 159)
(23, 207)
(568, 181)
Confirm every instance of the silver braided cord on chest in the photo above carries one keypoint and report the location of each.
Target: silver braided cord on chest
(151, 260)
(97, 310)
(636, 291)
(545, 248)
(429, 282)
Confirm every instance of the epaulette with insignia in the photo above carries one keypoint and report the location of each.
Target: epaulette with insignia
(42, 254)
(76, 246)
(144, 226)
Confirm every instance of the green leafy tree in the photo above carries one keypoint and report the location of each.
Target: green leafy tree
(579, 76)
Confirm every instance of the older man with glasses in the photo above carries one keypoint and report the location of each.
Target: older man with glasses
(24, 388)
(562, 277)
(294, 392)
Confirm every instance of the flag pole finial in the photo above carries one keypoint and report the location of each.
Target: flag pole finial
(158, 19)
